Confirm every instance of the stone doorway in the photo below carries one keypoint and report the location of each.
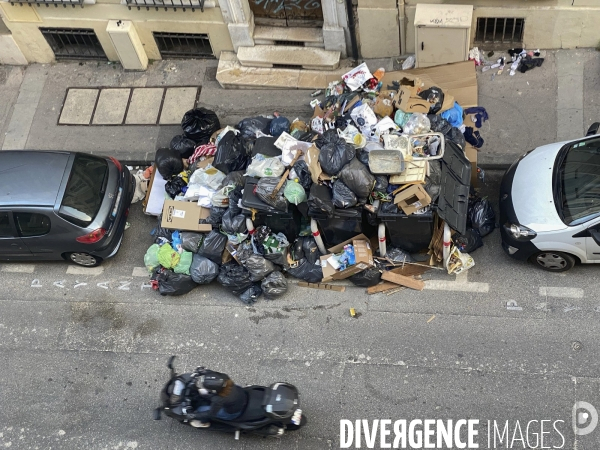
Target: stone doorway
(287, 13)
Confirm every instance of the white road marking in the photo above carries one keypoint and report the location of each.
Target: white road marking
(462, 277)
(18, 268)
(561, 292)
(443, 285)
(79, 270)
(140, 272)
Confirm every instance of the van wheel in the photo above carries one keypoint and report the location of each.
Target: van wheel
(553, 261)
(84, 259)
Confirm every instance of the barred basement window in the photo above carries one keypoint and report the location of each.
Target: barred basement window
(499, 30)
(183, 45)
(74, 43)
(167, 4)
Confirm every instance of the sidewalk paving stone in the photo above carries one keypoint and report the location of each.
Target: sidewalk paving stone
(177, 102)
(111, 107)
(144, 106)
(78, 107)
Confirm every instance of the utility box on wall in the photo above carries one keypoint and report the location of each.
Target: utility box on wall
(442, 33)
(127, 44)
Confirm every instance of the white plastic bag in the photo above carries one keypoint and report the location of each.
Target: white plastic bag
(409, 63)
(364, 118)
(356, 77)
(384, 126)
(458, 262)
(207, 176)
(418, 123)
(262, 166)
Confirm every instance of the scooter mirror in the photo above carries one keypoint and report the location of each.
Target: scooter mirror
(156, 414)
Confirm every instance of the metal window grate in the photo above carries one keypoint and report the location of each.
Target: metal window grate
(74, 43)
(499, 30)
(182, 45)
(167, 4)
(50, 2)
(287, 66)
(290, 43)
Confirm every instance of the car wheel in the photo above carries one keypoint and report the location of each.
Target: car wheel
(553, 261)
(84, 259)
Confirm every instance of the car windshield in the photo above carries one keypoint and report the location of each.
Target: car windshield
(577, 188)
(85, 190)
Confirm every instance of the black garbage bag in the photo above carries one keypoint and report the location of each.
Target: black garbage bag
(191, 241)
(367, 278)
(297, 250)
(251, 126)
(456, 136)
(231, 153)
(171, 283)
(161, 234)
(482, 216)
(255, 264)
(213, 246)
(250, 295)
(435, 97)
(259, 236)
(310, 249)
(234, 277)
(439, 124)
(363, 157)
(183, 145)
(234, 223)
(234, 199)
(381, 183)
(278, 126)
(174, 186)
(359, 180)
(320, 201)
(342, 196)
(335, 152)
(389, 208)
(199, 124)
(468, 242)
(265, 145)
(311, 273)
(303, 174)
(434, 180)
(397, 255)
(203, 270)
(264, 191)
(168, 162)
(236, 178)
(274, 285)
(215, 217)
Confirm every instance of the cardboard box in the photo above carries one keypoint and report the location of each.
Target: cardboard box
(178, 215)
(155, 195)
(409, 101)
(362, 252)
(412, 198)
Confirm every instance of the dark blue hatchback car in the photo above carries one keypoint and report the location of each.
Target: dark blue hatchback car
(62, 205)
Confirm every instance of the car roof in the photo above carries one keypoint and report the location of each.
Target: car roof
(31, 177)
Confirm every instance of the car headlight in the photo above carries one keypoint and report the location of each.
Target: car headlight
(520, 232)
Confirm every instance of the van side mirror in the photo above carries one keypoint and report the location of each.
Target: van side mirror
(595, 236)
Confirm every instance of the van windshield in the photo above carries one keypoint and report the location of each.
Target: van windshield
(577, 183)
(85, 190)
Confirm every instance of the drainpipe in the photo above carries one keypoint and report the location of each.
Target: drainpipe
(401, 17)
(352, 27)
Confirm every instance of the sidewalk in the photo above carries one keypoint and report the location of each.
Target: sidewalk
(541, 106)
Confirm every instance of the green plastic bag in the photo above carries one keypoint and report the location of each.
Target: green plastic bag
(401, 118)
(294, 192)
(185, 261)
(167, 257)
(151, 257)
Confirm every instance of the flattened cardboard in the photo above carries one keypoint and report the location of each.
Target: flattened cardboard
(456, 79)
(178, 215)
(155, 196)
(362, 252)
(411, 199)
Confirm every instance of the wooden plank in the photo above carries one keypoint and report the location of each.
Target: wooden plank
(409, 270)
(382, 287)
(283, 178)
(322, 286)
(403, 281)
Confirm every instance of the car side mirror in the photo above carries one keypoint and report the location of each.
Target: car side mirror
(156, 414)
(595, 236)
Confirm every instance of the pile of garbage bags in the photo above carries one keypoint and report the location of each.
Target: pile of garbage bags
(365, 144)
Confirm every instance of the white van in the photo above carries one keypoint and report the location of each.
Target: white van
(550, 204)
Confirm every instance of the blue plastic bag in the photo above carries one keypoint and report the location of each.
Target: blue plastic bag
(279, 125)
(454, 115)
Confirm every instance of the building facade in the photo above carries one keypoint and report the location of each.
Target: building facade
(271, 33)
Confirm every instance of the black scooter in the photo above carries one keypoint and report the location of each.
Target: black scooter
(270, 411)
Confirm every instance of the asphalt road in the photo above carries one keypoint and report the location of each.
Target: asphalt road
(83, 352)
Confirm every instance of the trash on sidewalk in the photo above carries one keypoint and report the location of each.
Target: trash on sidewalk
(383, 170)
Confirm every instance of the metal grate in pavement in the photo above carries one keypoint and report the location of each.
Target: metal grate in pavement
(104, 106)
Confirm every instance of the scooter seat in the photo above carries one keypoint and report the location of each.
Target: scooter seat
(254, 407)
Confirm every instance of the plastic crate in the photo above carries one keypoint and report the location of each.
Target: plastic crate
(343, 225)
(411, 233)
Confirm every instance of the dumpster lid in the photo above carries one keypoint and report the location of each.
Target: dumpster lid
(453, 202)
